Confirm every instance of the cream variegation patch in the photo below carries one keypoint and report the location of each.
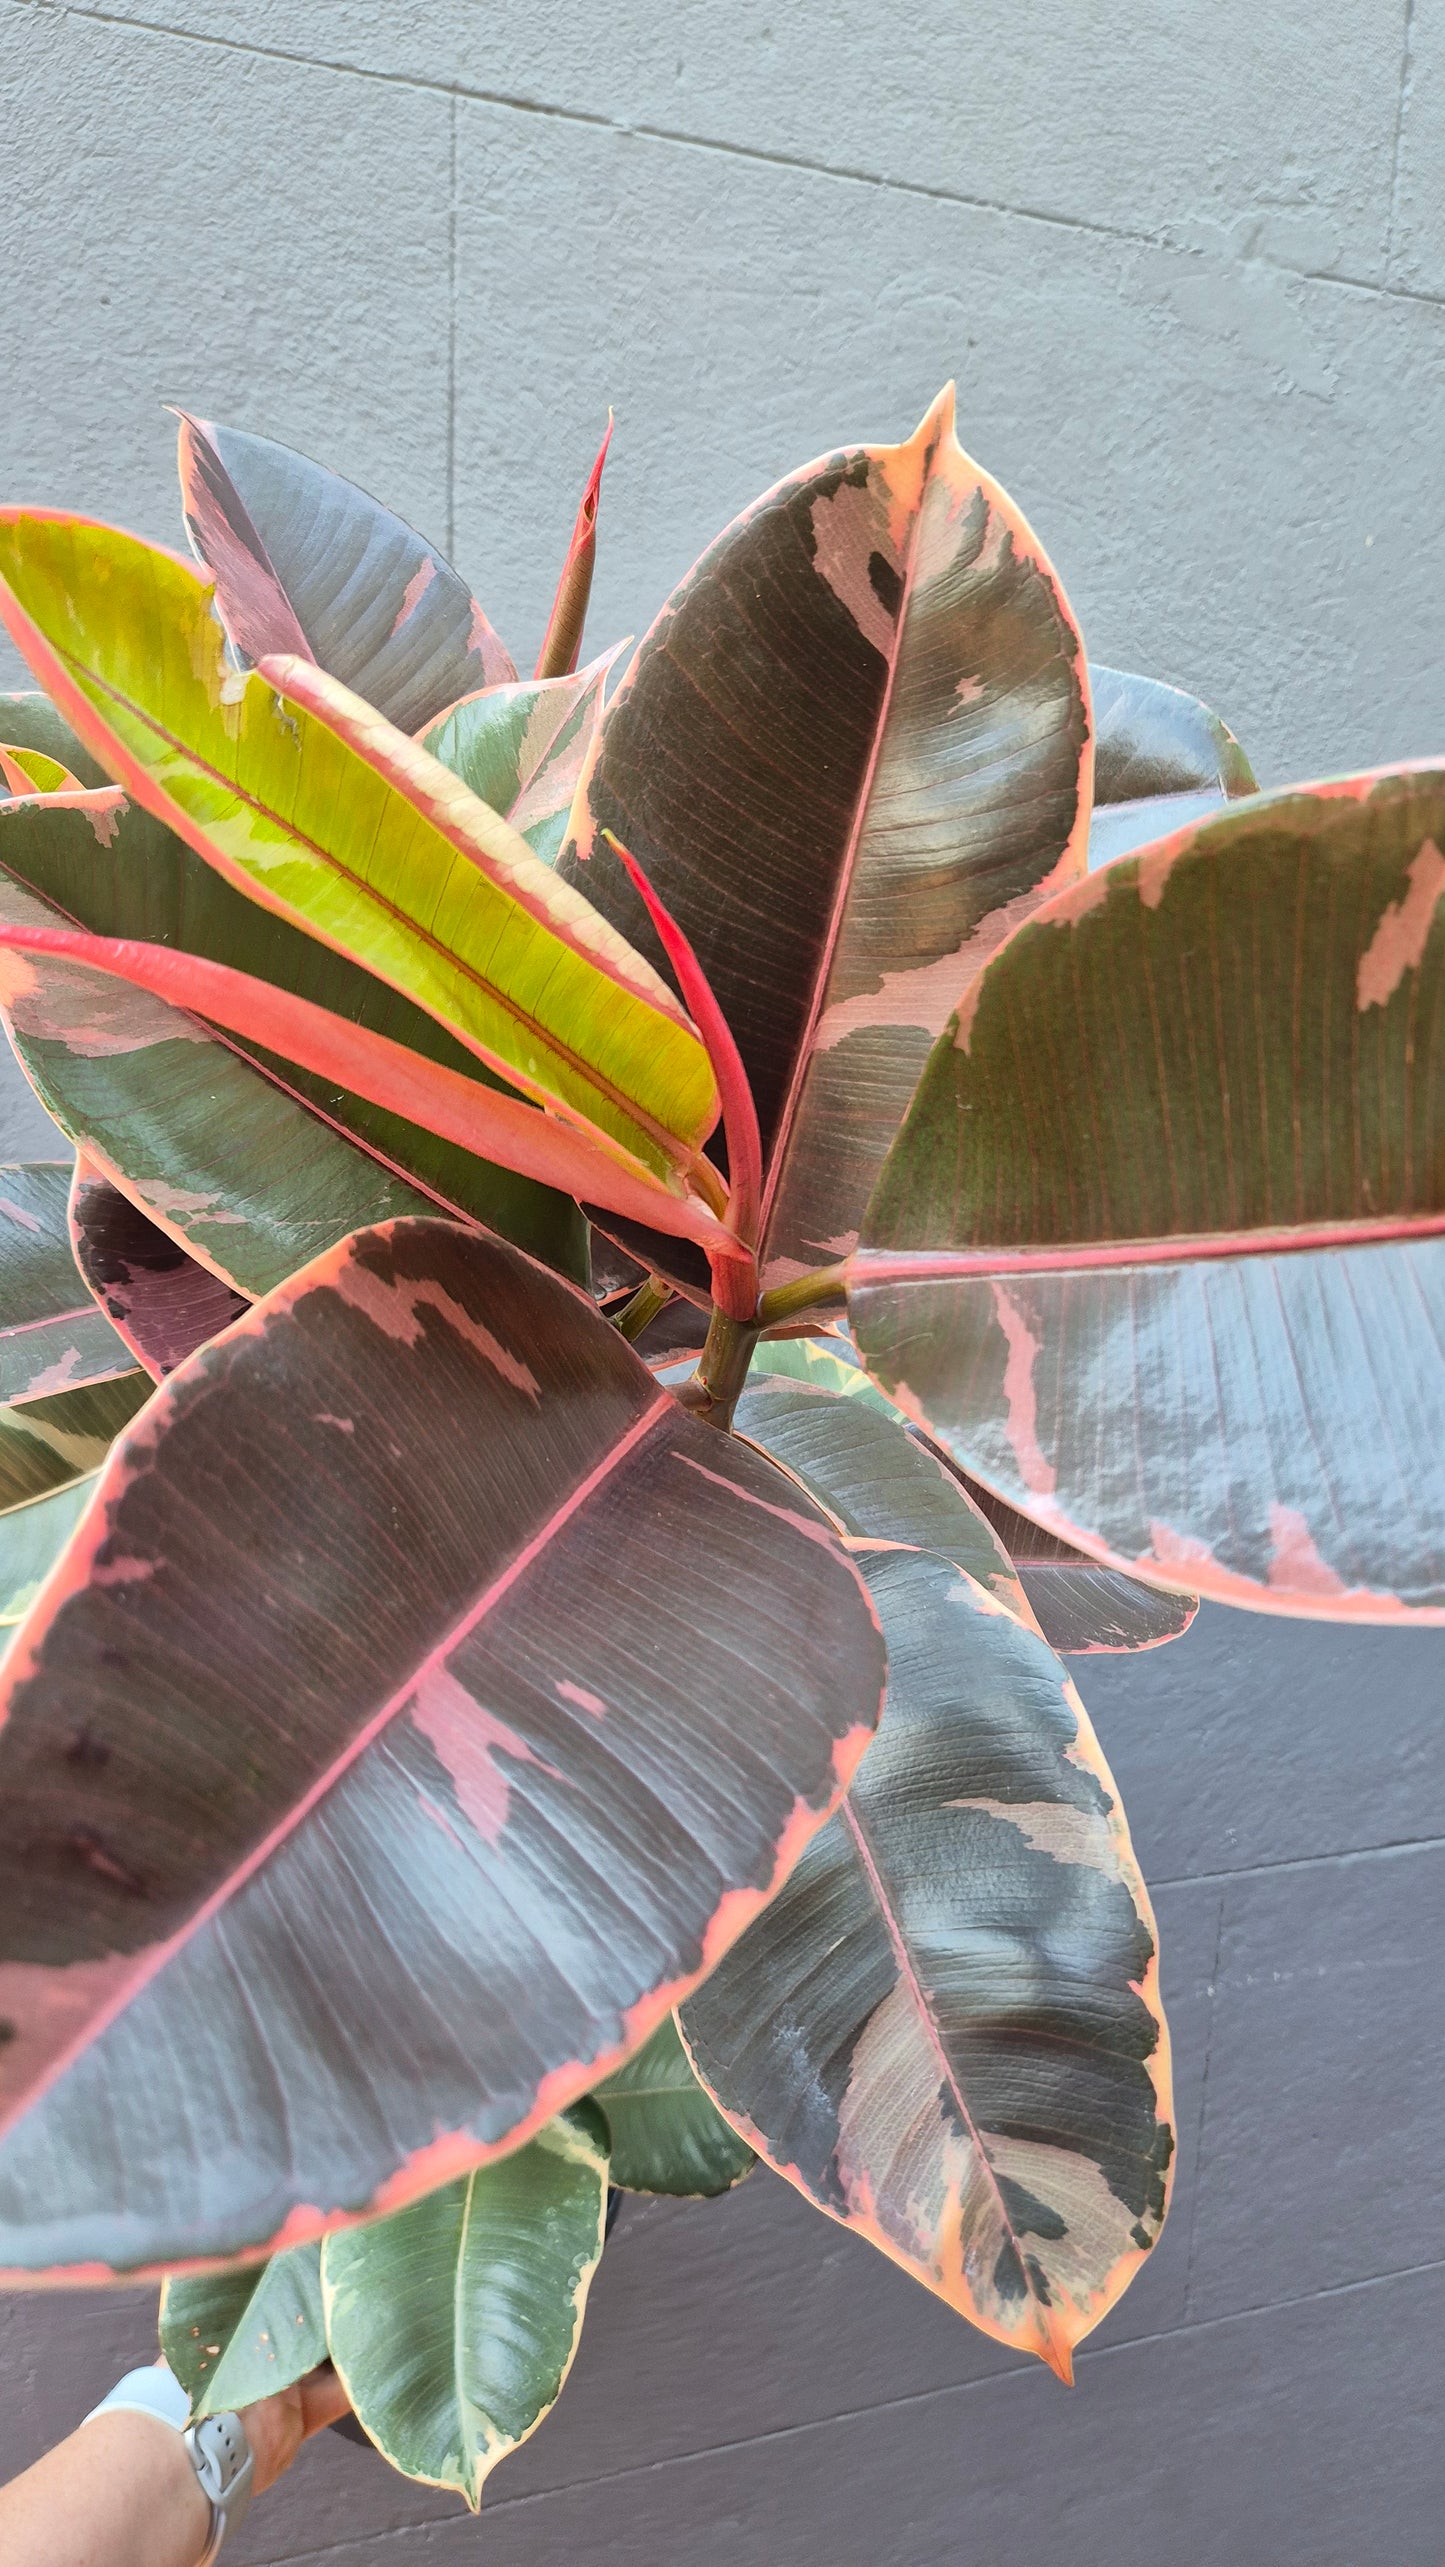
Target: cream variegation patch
(1098, 2227)
(1057, 1828)
(849, 527)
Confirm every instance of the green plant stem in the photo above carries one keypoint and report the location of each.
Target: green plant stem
(824, 1289)
(722, 1368)
(635, 1315)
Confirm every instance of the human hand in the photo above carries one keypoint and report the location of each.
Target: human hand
(276, 2427)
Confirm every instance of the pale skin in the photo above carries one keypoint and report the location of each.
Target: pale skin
(121, 2492)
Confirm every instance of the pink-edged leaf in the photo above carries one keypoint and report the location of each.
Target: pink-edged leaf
(1082, 1609)
(159, 1300)
(403, 1082)
(522, 748)
(739, 1114)
(562, 641)
(853, 749)
(306, 562)
(947, 2031)
(27, 771)
(1159, 1255)
(342, 824)
(454, 1700)
(205, 1138)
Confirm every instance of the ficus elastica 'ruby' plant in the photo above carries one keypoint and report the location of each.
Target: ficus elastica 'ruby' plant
(641, 1252)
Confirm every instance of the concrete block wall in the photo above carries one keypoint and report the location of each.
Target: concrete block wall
(1186, 259)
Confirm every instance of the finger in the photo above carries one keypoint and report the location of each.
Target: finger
(323, 2399)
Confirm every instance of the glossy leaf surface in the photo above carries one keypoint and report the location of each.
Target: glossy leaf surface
(344, 825)
(52, 1337)
(1161, 761)
(31, 1540)
(237, 1172)
(538, 1146)
(1158, 1254)
(854, 746)
(232, 2337)
(230, 1161)
(50, 1442)
(667, 2134)
(161, 1303)
(119, 872)
(1079, 1606)
(873, 1477)
(946, 2030)
(521, 749)
(303, 560)
(518, 1691)
(453, 2324)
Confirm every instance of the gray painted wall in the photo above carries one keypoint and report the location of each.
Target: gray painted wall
(1186, 259)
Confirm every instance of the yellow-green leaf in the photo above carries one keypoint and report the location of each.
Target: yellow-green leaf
(315, 805)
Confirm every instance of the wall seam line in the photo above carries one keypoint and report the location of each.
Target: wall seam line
(889, 2406)
(1401, 1849)
(1402, 103)
(714, 145)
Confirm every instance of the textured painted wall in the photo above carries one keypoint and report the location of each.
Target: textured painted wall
(1186, 259)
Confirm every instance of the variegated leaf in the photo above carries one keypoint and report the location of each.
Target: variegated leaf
(304, 561)
(1158, 1254)
(454, 1693)
(50, 1442)
(314, 806)
(161, 1303)
(667, 2134)
(854, 747)
(946, 2031)
(1161, 760)
(876, 1480)
(26, 771)
(52, 1337)
(243, 2333)
(521, 748)
(1080, 1607)
(453, 2324)
(251, 1173)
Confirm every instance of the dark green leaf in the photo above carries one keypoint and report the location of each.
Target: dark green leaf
(1078, 1606)
(232, 2337)
(946, 2030)
(1157, 1254)
(161, 1301)
(874, 1477)
(667, 2135)
(453, 2324)
(463, 1698)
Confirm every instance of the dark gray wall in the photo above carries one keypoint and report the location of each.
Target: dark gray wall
(1187, 261)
